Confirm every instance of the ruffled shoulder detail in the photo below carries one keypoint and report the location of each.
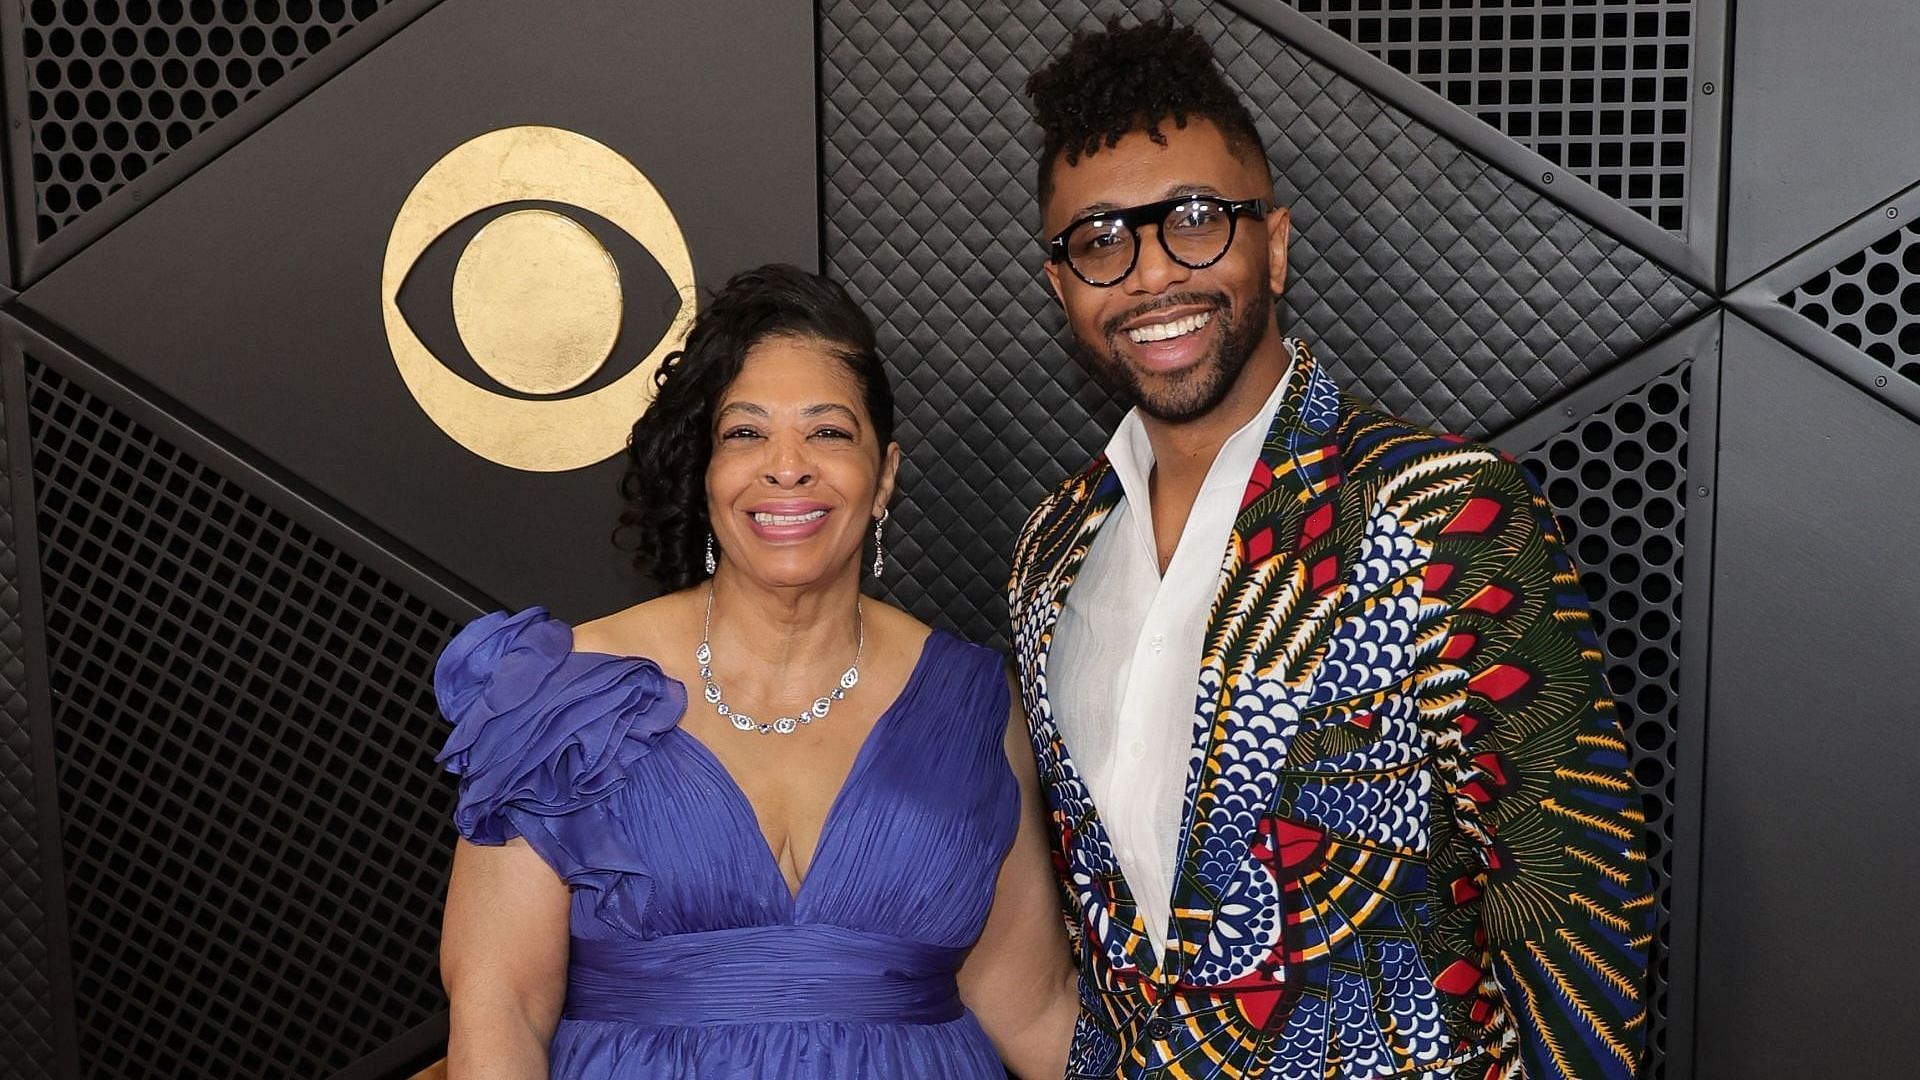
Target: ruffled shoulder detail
(539, 728)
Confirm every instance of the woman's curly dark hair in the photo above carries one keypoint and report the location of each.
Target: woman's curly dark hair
(1124, 79)
(665, 484)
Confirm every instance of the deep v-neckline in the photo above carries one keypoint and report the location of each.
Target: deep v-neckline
(829, 830)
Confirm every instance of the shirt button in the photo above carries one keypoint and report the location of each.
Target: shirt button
(1159, 1029)
(1137, 750)
(1158, 642)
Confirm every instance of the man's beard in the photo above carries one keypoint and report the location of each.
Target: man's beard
(1203, 387)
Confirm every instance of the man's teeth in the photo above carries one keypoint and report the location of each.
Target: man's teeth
(789, 519)
(1163, 331)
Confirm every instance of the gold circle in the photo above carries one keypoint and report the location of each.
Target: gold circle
(532, 164)
(537, 301)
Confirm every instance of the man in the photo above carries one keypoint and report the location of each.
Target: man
(1336, 786)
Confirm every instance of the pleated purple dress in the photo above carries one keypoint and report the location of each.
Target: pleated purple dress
(689, 956)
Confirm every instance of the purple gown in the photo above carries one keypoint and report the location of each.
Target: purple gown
(690, 958)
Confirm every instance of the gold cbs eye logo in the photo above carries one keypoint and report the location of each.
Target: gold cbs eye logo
(536, 298)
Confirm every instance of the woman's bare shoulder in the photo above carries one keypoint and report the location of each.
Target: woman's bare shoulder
(645, 629)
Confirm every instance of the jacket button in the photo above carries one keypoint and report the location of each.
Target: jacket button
(1159, 1029)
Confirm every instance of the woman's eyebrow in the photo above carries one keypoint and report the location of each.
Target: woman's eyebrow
(824, 408)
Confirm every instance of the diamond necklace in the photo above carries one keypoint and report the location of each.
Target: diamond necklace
(785, 725)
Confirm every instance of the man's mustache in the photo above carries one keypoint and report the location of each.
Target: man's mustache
(1218, 300)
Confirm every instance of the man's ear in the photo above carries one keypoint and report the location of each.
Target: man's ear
(1053, 280)
(1279, 230)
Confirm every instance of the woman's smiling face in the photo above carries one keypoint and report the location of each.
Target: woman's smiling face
(798, 473)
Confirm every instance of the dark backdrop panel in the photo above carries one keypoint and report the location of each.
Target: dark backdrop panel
(251, 292)
(1823, 121)
(111, 103)
(1806, 965)
(31, 932)
(1605, 92)
(114, 89)
(255, 845)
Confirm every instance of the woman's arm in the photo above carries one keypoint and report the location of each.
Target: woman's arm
(503, 959)
(1019, 979)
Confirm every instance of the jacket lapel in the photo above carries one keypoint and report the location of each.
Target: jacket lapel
(1054, 548)
(1299, 461)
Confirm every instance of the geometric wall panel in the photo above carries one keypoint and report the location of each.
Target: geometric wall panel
(1821, 125)
(1871, 300)
(1430, 281)
(114, 87)
(1617, 484)
(1806, 957)
(1603, 90)
(254, 840)
(257, 275)
(26, 989)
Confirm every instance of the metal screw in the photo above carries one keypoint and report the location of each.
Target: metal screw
(1880, 380)
(1703, 491)
(1546, 178)
(1706, 88)
(1893, 211)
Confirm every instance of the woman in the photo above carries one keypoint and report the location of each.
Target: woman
(761, 825)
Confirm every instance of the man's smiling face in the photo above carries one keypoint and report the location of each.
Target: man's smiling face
(1170, 338)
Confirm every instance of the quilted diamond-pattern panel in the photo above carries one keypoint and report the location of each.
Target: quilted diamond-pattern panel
(1871, 300)
(26, 1024)
(255, 839)
(1433, 283)
(1603, 88)
(1617, 483)
(114, 86)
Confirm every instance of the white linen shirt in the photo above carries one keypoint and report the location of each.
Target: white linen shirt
(1124, 666)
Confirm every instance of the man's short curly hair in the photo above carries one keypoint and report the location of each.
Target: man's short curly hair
(1111, 83)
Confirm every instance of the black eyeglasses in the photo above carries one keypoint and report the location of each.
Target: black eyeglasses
(1195, 231)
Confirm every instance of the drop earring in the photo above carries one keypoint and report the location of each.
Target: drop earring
(879, 545)
(712, 564)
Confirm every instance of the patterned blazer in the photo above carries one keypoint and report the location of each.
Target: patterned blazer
(1411, 845)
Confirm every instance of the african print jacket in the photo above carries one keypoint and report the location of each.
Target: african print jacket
(1411, 845)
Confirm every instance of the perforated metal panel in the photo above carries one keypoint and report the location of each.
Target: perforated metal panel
(1871, 300)
(1617, 484)
(114, 86)
(1433, 283)
(26, 993)
(1603, 88)
(255, 840)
